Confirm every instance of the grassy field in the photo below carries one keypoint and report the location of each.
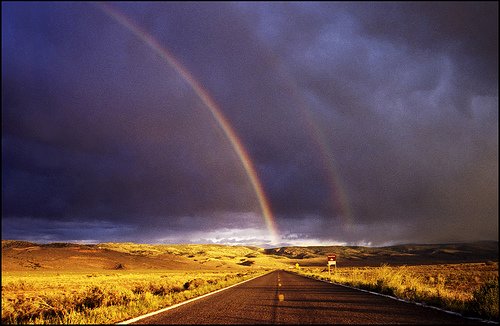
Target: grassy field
(67, 283)
(470, 289)
(103, 297)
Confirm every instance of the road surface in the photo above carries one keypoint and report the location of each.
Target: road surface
(305, 301)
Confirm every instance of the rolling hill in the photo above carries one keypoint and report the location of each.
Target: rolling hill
(409, 254)
(23, 255)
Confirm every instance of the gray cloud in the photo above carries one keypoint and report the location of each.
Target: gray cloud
(397, 101)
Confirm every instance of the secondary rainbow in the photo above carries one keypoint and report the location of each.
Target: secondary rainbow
(339, 196)
(212, 106)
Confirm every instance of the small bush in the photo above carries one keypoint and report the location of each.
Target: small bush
(192, 284)
(485, 300)
(138, 289)
(119, 266)
(176, 289)
(158, 289)
(383, 287)
(93, 298)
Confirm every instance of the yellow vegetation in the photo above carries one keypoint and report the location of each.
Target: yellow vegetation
(103, 297)
(111, 282)
(471, 289)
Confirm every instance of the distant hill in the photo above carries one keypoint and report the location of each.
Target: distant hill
(409, 254)
(23, 255)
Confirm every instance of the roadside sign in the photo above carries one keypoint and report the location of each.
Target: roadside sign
(332, 260)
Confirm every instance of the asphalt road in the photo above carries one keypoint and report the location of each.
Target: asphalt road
(306, 301)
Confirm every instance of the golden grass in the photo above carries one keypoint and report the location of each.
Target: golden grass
(470, 289)
(181, 249)
(117, 281)
(103, 297)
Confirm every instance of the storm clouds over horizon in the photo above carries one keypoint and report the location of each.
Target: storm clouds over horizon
(367, 123)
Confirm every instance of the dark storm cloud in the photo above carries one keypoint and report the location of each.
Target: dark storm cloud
(464, 30)
(399, 87)
(99, 129)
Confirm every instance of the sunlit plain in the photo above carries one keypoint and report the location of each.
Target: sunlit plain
(65, 283)
(103, 298)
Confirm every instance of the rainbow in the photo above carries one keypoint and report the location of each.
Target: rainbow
(212, 106)
(338, 193)
(339, 196)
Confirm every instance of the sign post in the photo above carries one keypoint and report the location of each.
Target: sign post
(332, 260)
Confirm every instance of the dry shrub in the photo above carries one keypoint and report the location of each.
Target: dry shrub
(485, 300)
(140, 288)
(119, 266)
(27, 309)
(117, 297)
(90, 299)
(193, 284)
(158, 289)
(176, 289)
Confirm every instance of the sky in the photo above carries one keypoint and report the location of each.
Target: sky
(250, 123)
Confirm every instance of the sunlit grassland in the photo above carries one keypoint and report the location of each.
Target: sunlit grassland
(180, 249)
(470, 289)
(218, 255)
(103, 297)
(111, 282)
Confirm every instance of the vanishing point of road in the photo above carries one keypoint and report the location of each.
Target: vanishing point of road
(305, 301)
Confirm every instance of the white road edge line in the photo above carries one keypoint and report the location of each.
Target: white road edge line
(133, 320)
(402, 300)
